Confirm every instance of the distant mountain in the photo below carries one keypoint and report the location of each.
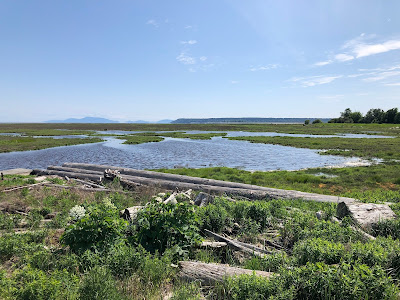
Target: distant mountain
(137, 122)
(83, 120)
(245, 120)
(166, 121)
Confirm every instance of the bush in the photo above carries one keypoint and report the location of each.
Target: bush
(99, 228)
(213, 217)
(315, 281)
(318, 250)
(37, 285)
(161, 226)
(98, 283)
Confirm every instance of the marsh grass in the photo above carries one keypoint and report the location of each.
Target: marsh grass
(11, 143)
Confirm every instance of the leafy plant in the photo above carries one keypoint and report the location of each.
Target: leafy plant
(161, 226)
(99, 228)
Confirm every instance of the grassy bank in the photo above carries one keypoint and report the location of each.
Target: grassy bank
(140, 139)
(386, 129)
(379, 182)
(89, 252)
(10, 143)
(386, 148)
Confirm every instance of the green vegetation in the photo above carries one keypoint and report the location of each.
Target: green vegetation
(386, 148)
(380, 182)
(374, 115)
(11, 143)
(322, 128)
(89, 252)
(138, 139)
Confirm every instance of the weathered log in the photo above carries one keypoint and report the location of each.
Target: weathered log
(130, 213)
(238, 246)
(22, 187)
(367, 236)
(365, 214)
(163, 176)
(206, 244)
(210, 273)
(94, 177)
(203, 199)
(172, 181)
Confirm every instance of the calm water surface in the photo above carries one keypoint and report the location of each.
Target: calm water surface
(172, 153)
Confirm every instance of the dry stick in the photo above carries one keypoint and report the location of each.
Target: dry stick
(210, 273)
(238, 246)
(22, 187)
(93, 185)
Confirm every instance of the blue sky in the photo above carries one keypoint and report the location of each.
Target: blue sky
(152, 60)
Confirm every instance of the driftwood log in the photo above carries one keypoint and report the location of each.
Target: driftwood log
(95, 173)
(365, 214)
(130, 213)
(238, 246)
(209, 274)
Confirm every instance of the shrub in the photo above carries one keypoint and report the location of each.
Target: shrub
(318, 250)
(314, 281)
(37, 285)
(99, 228)
(213, 217)
(161, 226)
(269, 263)
(98, 283)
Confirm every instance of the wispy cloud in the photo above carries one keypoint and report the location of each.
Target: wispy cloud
(264, 68)
(343, 57)
(361, 46)
(189, 42)
(314, 80)
(203, 58)
(188, 27)
(393, 84)
(234, 82)
(152, 22)
(186, 59)
(323, 63)
(382, 75)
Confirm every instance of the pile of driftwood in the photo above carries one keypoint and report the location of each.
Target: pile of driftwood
(364, 215)
(132, 178)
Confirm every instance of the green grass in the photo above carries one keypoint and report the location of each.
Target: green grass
(386, 148)
(379, 182)
(137, 139)
(386, 129)
(9, 143)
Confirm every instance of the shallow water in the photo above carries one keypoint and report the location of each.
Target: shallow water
(173, 152)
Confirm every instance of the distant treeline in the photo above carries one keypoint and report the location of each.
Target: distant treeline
(374, 115)
(244, 120)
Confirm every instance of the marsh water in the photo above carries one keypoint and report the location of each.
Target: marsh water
(173, 152)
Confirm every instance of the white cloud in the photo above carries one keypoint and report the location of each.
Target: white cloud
(190, 42)
(343, 57)
(393, 84)
(234, 82)
(361, 46)
(362, 50)
(264, 68)
(315, 80)
(203, 58)
(382, 75)
(186, 59)
(188, 27)
(152, 22)
(323, 63)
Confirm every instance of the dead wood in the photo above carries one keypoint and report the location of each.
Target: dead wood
(238, 246)
(210, 273)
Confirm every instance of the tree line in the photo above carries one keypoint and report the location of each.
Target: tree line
(374, 115)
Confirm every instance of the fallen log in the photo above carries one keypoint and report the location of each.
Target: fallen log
(130, 213)
(22, 187)
(194, 181)
(96, 177)
(163, 176)
(366, 235)
(210, 273)
(365, 214)
(238, 246)
(206, 244)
